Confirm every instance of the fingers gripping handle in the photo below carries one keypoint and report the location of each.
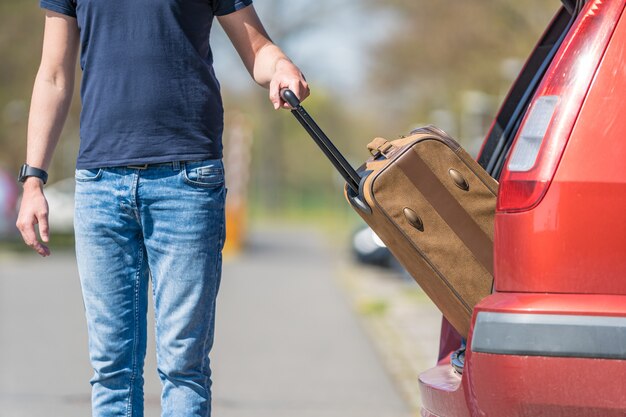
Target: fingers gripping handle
(290, 97)
(330, 150)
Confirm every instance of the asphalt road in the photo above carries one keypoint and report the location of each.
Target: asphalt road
(287, 341)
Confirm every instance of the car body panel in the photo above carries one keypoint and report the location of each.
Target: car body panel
(524, 385)
(551, 339)
(579, 247)
(540, 386)
(442, 393)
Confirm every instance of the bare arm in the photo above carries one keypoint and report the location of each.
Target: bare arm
(265, 61)
(52, 95)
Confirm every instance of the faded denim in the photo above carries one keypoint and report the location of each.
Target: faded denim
(165, 222)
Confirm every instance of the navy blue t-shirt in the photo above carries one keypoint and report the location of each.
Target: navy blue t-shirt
(149, 92)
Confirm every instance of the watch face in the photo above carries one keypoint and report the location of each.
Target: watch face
(21, 176)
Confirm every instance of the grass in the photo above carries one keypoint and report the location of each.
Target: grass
(376, 307)
(335, 223)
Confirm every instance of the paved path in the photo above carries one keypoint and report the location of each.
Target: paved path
(287, 343)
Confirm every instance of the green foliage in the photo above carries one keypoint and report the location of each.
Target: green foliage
(21, 25)
(21, 33)
(434, 52)
(374, 307)
(439, 49)
(288, 170)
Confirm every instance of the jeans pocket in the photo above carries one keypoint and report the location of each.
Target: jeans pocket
(85, 175)
(205, 174)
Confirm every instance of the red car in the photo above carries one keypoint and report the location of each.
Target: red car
(551, 339)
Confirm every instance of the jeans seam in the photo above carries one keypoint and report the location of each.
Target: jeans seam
(134, 197)
(157, 334)
(216, 271)
(205, 356)
(133, 374)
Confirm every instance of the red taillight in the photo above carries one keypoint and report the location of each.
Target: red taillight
(541, 140)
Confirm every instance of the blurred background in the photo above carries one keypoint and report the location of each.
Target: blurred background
(376, 68)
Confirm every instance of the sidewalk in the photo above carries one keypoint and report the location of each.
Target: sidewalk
(402, 322)
(287, 341)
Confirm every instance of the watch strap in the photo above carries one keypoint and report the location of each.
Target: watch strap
(28, 171)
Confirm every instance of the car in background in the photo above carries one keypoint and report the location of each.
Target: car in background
(60, 196)
(551, 338)
(9, 193)
(368, 249)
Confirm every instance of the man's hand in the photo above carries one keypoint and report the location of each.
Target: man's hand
(287, 75)
(34, 211)
(265, 61)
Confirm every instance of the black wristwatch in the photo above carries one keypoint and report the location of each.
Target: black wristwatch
(28, 171)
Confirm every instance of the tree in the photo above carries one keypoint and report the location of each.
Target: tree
(438, 49)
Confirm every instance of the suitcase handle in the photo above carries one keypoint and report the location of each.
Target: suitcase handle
(353, 179)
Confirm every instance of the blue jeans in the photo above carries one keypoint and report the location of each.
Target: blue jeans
(165, 222)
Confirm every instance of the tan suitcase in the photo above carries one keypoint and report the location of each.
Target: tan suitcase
(432, 205)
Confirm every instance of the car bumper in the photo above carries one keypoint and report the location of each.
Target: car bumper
(547, 354)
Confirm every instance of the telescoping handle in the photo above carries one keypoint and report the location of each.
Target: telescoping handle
(330, 150)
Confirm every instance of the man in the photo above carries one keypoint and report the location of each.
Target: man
(149, 179)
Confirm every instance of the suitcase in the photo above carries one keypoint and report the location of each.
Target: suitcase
(431, 204)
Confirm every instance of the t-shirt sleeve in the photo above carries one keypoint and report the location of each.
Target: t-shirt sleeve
(224, 7)
(66, 7)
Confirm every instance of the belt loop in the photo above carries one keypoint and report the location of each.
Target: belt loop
(176, 165)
